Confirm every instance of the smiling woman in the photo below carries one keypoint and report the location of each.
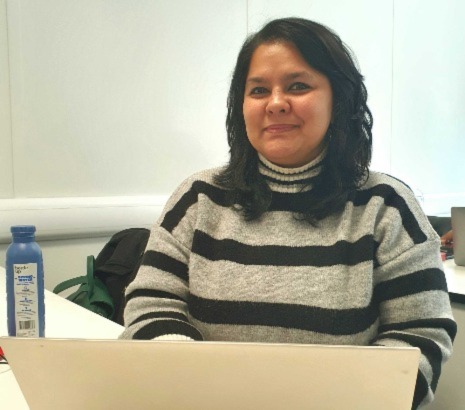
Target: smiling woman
(329, 105)
(295, 240)
(287, 105)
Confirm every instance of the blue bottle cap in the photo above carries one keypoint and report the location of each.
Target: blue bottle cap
(25, 229)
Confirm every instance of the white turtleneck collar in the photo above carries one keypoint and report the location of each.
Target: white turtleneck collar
(291, 180)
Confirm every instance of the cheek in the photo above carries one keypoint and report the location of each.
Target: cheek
(250, 112)
(326, 108)
(316, 112)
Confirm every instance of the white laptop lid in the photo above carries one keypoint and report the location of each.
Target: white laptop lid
(117, 374)
(458, 229)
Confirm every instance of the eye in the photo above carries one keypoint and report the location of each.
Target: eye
(258, 91)
(299, 87)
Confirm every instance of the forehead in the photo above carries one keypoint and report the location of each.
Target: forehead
(270, 57)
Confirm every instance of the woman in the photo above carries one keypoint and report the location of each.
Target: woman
(295, 240)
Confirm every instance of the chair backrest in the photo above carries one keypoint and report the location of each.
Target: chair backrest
(441, 224)
(118, 262)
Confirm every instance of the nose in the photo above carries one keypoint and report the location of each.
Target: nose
(277, 104)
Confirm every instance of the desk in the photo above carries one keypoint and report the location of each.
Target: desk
(63, 319)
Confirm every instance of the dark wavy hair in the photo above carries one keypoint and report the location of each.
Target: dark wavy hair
(348, 139)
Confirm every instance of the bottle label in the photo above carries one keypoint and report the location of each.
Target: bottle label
(26, 303)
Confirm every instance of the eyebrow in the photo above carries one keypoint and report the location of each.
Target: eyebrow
(290, 76)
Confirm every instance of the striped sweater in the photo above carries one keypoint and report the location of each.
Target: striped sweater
(370, 275)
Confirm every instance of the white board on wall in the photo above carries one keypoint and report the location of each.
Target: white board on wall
(428, 141)
(118, 98)
(6, 164)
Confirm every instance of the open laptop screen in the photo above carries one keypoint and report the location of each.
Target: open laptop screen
(118, 374)
(458, 229)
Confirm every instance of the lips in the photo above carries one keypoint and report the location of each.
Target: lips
(278, 128)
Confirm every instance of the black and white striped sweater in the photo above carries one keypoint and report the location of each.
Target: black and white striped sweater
(369, 275)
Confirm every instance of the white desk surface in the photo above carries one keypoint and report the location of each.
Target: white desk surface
(63, 319)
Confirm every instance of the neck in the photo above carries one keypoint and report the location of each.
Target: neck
(291, 180)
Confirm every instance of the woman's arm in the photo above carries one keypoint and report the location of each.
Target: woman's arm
(447, 238)
(156, 301)
(411, 292)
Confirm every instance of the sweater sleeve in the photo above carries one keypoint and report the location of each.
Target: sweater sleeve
(156, 301)
(411, 292)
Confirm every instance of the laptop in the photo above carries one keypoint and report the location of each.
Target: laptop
(458, 229)
(123, 374)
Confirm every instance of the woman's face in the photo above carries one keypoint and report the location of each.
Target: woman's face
(287, 105)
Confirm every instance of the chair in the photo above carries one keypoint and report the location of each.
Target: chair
(441, 224)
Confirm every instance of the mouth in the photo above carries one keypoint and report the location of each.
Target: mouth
(278, 128)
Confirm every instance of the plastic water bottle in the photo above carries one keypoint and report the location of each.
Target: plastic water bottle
(25, 284)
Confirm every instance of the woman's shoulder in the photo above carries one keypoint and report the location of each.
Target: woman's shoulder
(199, 181)
(382, 180)
(205, 176)
(395, 193)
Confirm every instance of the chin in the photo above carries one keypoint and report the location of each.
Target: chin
(281, 162)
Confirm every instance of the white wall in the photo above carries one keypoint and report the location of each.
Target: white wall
(118, 98)
(428, 143)
(6, 164)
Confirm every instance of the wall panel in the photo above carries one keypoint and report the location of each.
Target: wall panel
(6, 164)
(428, 143)
(119, 98)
